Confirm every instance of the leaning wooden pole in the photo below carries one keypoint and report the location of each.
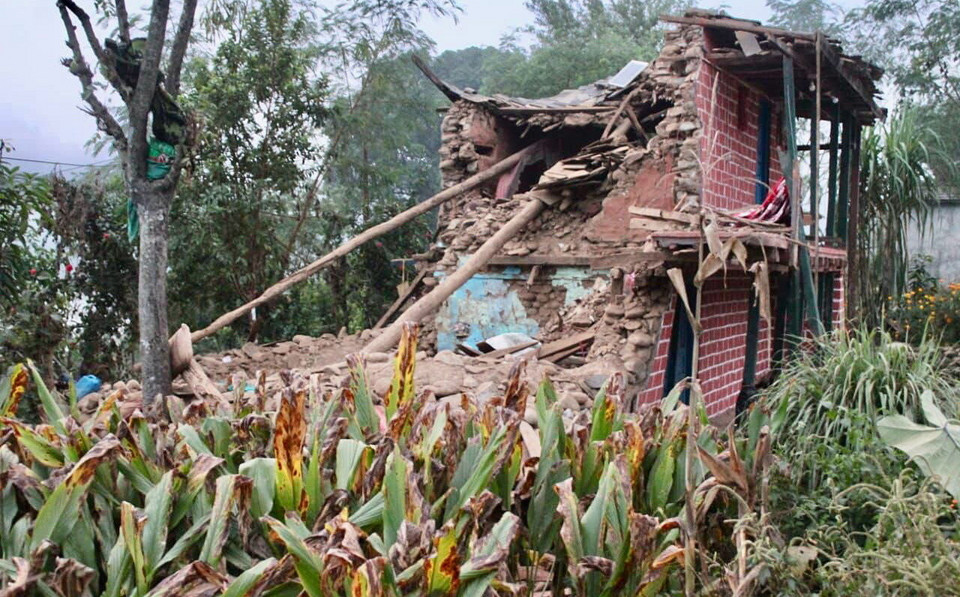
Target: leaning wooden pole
(432, 300)
(366, 236)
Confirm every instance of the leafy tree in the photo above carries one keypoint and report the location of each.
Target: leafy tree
(88, 226)
(133, 68)
(806, 15)
(312, 130)
(918, 43)
(578, 42)
(23, 198)
(389, 166)
(242, 212)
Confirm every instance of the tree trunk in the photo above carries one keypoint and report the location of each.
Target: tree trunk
(154, 210)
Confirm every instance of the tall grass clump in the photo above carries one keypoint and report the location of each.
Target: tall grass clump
(833, 393)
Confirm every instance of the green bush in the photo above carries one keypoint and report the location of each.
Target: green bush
(834, 393)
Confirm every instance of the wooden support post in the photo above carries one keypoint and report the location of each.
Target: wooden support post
(852, 283)
(832, 173)
(843, 195)
(366, 236)
(815, 159)
(400, 300)
(432, 300)
(803, 275)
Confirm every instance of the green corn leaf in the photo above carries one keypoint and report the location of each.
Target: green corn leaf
(119, 568)
(442, 570)
(131, 528)
(263, 473)
(394, 496)
(570, 530)
(221, 431)
(309, 564)
(47, 401)
(157, 506)
(240, 586)
(185, 541)
(350, 465)
(476, 472)
(35, 444)
(370, 513)
(662, 476)
(60, 513)
(367, 417)
(229, 490)
(478, 572)
(193, 440)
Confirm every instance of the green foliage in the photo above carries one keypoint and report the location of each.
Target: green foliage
(24, 203)
(897, 188)
(241, 215)
(806, 15)
(834, 393)
(916, 42)
(579, 42)
(314, 494)
(934, 447)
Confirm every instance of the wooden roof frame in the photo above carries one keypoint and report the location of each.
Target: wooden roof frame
(850, 87)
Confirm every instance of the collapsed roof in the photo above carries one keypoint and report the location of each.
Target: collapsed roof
(742, 47)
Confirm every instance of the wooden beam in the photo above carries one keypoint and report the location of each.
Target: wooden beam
(856, 85)
(664, 214)
(627, 259)
(853, 260)
(400, 300)
(737, 25)
(367, 235)
(843, 195)
(558, 110)
(533, 260)
(429, 303)
(564, 346)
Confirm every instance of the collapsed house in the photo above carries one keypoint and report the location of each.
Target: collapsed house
(659, 170)
(652, 224)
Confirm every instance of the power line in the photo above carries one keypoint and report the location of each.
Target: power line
(100, 163)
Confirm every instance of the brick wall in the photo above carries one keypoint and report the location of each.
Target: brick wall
(722, 344)
(728, 148)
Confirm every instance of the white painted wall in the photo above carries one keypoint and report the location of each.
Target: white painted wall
(941, 241)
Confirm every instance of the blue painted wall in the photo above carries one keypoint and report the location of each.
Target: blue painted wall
(485, 306)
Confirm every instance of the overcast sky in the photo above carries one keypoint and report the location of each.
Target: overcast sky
(39, 99)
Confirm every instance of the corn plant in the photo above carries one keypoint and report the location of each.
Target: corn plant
(343, 493)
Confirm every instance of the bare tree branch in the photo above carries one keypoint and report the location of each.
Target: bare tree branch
(139, 105)
(78, 66)
(123, 20)
(179, 48)
(106, 62)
